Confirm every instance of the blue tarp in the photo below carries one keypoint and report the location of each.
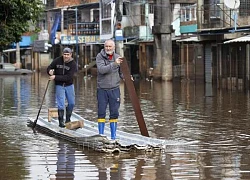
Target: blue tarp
(25, 42)
(54, 28)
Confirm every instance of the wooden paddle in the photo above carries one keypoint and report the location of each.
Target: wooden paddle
(133, 97)
(34, 125)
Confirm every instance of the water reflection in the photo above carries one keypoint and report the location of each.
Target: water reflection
(127, 166)
(207, 130)
(65, 161)
(14, 93)
(11, 160)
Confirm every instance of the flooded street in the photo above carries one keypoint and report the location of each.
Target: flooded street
(208, 131)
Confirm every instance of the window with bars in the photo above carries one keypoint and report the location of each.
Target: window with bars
(244, 9)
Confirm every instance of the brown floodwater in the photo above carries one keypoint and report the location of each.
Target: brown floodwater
(208, 131)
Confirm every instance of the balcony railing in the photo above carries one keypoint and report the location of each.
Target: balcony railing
(215, 16)
(86, 28)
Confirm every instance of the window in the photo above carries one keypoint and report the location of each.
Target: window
(244, 8)
(106, 9)
(106, 27)
(188, 13)
(126, 9)
(142, 7)
(151, 8)
(106, 24)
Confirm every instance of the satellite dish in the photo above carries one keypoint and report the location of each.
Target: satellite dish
(232, 4)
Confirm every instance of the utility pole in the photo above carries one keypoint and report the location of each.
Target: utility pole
(118, 29)
(62, 20)
(18, 63)
(157, 39)
(162, 30)
(62, 24)
(76, 38)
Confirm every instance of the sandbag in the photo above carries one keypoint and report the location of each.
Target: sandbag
(74, 124)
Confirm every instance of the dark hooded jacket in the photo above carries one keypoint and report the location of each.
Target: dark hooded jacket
(108, 72)
(63, 71)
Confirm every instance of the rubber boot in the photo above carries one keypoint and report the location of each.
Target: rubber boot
(68, 115)
(113, 127)
(60, 118)
(101, 125)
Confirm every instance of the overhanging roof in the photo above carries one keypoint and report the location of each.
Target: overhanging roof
(190, 39)
(240, 39)
(80, 6)
(13, 50)
(222, 30)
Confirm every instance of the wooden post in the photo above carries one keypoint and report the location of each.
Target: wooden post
(247, 67)
(134, 98)
(18, 63)
(187, 62)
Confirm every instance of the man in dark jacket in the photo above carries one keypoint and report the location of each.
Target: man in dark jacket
(62, 70)
(108, 86)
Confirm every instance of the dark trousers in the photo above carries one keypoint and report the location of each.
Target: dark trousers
(109, 98)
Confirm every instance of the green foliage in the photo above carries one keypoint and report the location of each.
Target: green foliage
(15, 19)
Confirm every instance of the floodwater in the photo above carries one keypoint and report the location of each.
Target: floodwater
(214, 124)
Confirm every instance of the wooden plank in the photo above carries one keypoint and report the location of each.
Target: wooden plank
(34, 124)
(89, 66)
(133, 97)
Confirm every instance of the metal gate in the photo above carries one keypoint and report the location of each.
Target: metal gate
(208, 64)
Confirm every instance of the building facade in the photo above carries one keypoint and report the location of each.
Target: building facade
(222, 43)
(85, 24)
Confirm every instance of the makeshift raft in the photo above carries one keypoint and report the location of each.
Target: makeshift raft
(88, 136)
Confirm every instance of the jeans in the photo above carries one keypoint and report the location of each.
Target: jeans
(67, 92)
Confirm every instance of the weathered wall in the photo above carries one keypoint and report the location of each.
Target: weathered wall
(61, 3)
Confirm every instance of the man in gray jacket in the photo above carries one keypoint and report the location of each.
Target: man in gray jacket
(108, 86)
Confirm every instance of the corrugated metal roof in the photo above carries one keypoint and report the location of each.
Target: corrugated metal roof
(240, 39)
(88, 136)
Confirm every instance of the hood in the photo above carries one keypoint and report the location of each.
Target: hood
(103, 53)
